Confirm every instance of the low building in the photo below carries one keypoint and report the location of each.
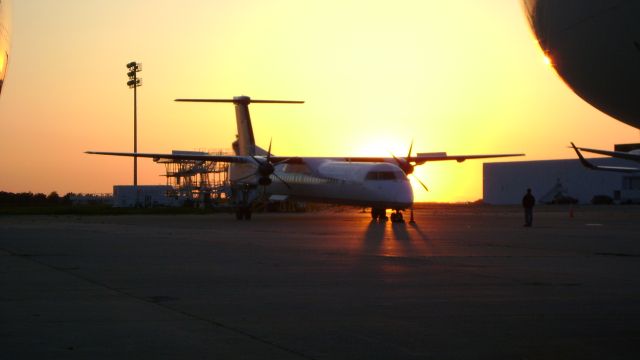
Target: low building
(91, 199)
(146, 196)
(555, 181)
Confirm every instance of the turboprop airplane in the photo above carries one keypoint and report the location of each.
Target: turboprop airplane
(376, 182)
(633, 155)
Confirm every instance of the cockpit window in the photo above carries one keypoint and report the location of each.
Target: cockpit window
(382, 175)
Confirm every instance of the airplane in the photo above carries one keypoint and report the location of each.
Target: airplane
(379, 183)
(633, 155)
(4, 39)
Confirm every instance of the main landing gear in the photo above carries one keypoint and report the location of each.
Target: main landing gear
(396, 217)
(380, 214)
(244, 195)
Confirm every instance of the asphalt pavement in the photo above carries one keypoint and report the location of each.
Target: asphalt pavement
(464, 282)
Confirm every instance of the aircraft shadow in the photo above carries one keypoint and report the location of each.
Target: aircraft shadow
(374, 236)
(397, 239)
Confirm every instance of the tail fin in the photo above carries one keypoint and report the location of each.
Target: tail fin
(245, 145)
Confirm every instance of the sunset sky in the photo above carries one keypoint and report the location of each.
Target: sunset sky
(458, 76)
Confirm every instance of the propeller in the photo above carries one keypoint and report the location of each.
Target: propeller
(406, 166)
(266, 168)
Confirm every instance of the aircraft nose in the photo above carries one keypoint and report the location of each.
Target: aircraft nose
(396, 194)
(404, 194)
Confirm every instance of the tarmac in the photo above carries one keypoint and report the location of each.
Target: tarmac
(464, 282)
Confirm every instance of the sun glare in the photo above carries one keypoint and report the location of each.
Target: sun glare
(547, 60)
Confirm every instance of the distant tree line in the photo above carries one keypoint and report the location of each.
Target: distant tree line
(29, 198)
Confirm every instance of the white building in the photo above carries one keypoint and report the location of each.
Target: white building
(507, 182)
(147, 196)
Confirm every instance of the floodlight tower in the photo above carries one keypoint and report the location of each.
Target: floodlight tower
(133, 83)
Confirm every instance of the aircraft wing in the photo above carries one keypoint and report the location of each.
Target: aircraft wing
(418, 160)
(592, 166)
(423, 158)
(615, 154)
(196, 157)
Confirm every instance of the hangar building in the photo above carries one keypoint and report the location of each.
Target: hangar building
(506, 182)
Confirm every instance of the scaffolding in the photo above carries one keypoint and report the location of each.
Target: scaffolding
(196, 182)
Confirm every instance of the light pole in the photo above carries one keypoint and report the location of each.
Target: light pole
(133, 83)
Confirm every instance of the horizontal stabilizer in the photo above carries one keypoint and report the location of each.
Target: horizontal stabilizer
(241, 100)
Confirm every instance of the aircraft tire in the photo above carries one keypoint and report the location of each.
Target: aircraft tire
(397, 217)
(379, 214)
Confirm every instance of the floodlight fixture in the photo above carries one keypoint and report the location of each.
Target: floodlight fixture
(133, 83)
(134, 65)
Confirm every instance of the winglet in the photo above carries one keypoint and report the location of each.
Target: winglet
(591, 166)
(584, 161)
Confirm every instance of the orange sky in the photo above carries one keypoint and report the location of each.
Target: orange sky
(457, 76)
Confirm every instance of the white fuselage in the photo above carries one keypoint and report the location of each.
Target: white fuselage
(4, 39)
(378, 185)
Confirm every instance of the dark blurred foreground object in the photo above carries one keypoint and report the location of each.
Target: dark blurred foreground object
(594, 45)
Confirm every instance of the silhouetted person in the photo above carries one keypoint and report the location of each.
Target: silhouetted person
(528, 201)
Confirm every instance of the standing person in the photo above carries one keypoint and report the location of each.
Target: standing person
(528, 201)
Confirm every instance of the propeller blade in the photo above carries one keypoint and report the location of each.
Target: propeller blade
(421, 183)
(269, 151)
(410, 149)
